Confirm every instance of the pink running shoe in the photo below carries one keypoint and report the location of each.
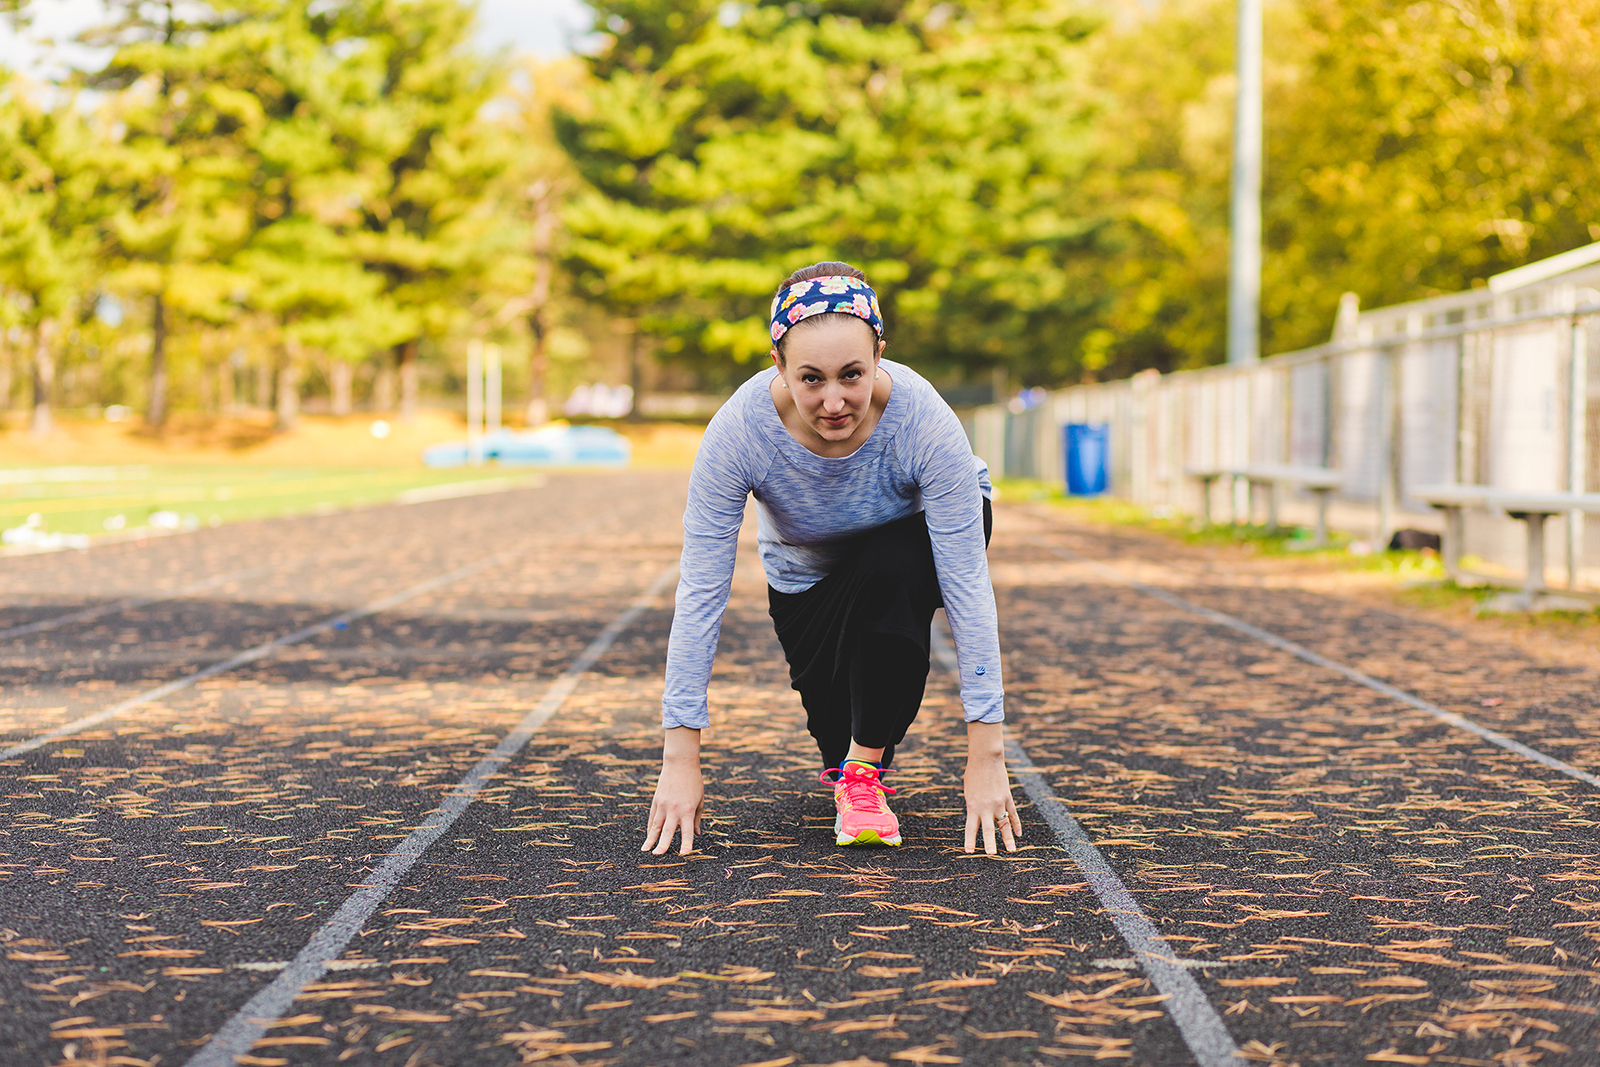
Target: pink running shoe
(864, 817)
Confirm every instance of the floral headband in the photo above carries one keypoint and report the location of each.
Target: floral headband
(838, 294)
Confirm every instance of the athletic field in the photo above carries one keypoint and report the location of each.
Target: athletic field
(369, 788)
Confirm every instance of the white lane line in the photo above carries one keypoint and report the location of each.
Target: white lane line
(250, 655)
(425, 495)
(239, 1034)
(1186, 1003)
(132, 603)
(451, 490)
(1360, 677)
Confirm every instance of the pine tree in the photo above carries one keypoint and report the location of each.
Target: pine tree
(428, 221)
(939, 146)
(53, 202)
(183, 163)
(542, 183)
(299, 259)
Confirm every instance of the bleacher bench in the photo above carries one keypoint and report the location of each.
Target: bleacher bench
(1321, 481)
(1532, 508)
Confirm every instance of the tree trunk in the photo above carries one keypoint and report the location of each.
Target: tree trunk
(5, 376)
(289, 387)
(225, 371)
(339, 378)
(383, 387)
(538, 369)
(544, 222)
(203, 385)
(44, 378)
(405, 361)
(636, 373)
(156, 409)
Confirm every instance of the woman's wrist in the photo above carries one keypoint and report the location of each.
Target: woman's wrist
(681, 744)
(986, 740)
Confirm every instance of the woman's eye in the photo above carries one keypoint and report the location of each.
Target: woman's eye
(810, 379)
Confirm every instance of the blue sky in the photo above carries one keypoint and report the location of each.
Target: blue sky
(541, 27)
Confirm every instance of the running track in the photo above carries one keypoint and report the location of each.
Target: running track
(397, 822)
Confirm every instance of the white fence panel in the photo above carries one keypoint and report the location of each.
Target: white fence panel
(1432, 392)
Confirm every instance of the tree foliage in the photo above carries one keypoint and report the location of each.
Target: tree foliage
(53, 205)
(936, 145)
(313, 188)
(1414, 147)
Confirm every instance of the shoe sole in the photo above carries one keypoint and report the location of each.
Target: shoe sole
(865, 837)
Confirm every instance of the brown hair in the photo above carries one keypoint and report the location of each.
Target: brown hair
(828, 268)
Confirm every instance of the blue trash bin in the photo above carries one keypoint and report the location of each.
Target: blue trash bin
(1088, 454)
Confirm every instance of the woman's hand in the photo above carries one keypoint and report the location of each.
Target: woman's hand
(680, 792)
(988, 789)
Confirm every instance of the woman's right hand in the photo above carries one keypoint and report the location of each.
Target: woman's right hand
(680, 794)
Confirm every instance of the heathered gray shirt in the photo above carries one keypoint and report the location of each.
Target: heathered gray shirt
(916, 459)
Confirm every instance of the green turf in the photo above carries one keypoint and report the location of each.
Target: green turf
(98, 500)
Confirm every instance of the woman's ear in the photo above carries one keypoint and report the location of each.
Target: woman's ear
(879, 353)
(777, 360)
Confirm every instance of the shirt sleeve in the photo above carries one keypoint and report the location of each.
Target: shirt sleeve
(711, 519)
(940, 460)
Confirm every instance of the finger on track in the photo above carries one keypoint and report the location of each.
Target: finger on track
(259, 798)
(1191, 1010)
(1382, 886)
(558, 939)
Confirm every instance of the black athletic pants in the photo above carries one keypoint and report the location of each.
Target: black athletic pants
(857, 641)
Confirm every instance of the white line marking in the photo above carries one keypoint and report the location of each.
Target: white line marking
(333, 965)
(239, 1034)
(452, 490)
(250, 655)
(132, 602)
(1186, 1003)
(427, 494)
(1360, 677)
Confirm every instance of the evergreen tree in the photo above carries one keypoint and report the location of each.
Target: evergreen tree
(53, 200)
(937, 145)
(542, 182)
(184, 163)
(429, 221)
(300, 258)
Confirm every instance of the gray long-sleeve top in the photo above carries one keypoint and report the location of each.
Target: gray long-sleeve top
(916, 459)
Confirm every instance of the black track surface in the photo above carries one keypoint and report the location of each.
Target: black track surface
(1361, 883)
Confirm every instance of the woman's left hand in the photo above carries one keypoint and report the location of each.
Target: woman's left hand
(988, 789)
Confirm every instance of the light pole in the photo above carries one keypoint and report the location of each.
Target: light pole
(1244, 261)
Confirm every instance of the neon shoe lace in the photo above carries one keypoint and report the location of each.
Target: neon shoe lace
(863, 789)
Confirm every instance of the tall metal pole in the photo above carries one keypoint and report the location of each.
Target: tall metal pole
(1577, 444)
(1244, 273)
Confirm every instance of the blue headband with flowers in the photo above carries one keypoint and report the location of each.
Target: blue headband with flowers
(837, 294)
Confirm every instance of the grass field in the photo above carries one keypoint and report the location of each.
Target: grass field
(91, 478)
(101, 500)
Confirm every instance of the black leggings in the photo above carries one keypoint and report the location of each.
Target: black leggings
(857, 641)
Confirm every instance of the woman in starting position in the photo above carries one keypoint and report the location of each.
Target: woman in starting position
(873, 512)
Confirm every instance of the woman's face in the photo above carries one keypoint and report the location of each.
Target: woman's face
(828, 368)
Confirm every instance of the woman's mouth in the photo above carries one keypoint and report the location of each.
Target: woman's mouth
(835, 422)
